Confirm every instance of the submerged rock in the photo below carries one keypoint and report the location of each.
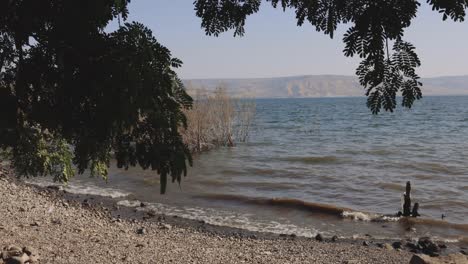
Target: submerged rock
(428, 247)
(385, 246)
(396, 245)
(151, 213)
(319, 237)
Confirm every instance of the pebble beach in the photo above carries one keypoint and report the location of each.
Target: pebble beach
(44, 227)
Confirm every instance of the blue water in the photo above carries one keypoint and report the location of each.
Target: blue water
(334, 151)
(330, 151)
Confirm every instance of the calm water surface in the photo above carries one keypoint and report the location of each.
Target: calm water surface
(327, 154)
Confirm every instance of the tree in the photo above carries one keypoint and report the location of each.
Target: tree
(72, 95)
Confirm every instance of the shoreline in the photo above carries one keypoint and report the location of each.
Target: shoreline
(138, 237)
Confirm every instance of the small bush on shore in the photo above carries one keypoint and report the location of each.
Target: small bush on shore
(217, 119)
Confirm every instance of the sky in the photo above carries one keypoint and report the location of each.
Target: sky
(274, 46)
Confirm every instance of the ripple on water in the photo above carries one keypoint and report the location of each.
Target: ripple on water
(312, 159)
(391, 186)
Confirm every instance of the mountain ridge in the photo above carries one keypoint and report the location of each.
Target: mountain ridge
(308, 86)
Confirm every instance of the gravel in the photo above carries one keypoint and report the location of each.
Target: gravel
(68, 232)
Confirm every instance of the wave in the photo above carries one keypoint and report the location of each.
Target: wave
(258, 185)
(225, 218)
(434, 223)
(391, 186)
(279, 202)
(372, 152)
(331, 210)
(432, 167)
(313, 160)
(76, 188)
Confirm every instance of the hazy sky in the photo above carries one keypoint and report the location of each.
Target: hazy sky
(275, 46)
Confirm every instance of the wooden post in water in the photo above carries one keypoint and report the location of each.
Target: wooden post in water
(415, 212)
(407, 200)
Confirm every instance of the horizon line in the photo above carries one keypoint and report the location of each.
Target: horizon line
(307, 75)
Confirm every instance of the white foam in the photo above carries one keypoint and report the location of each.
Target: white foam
(361, 216)
(357, 216)
(128, 203)
(225, 218)
(77, 188)
(94, 190)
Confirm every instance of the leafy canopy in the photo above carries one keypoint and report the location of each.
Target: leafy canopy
(73, 95)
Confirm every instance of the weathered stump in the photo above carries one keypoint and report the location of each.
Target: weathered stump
(407, 200)
(407, 204)
(415, 213)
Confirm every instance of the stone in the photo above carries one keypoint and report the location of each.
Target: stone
(13, 248)
(30, 251)
(141, 231)
(36, 223)
(53, 187)
(387, 246)
(151, 213)
(56, 221)
(458, 258)
(427, 246)
(33, 259)
(420, 259)
(449, 259)
(319, 237)
(396, 245)
(411, 245)
(9, 254)
(17, 259)
(165, 226)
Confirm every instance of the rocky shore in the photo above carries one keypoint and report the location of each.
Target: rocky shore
(42, 225)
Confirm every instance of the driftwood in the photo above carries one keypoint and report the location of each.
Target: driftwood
(407, 203)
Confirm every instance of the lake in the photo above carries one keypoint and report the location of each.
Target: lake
(308, 160)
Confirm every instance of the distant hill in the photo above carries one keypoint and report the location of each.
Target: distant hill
(317, 86)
